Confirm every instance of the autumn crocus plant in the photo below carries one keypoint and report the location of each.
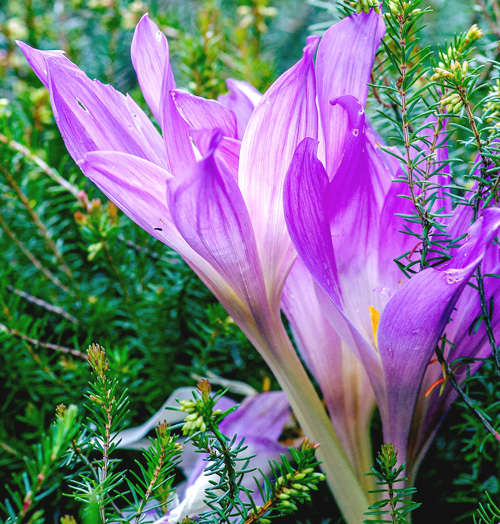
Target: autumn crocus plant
(216, 185)
(223, 205)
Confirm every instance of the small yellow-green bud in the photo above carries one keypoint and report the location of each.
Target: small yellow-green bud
(474, 33)
(366, 5)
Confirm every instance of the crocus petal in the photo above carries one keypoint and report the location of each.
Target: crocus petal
(343, 67)
(209, 211)
(200, 113)
(341, 377)
(150, 58)
(137, 187)
(286, 114)
(306, 215)
(354, 209)
(432, 408)
(92, 116)
(227, 152)
(242, 99)
(407, 341)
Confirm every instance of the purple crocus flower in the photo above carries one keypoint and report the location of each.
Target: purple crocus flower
(223, 213)
(341, 214)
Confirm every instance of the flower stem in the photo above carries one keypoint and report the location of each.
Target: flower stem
(346, 487)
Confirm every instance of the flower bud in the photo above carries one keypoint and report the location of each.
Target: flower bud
(474, 33)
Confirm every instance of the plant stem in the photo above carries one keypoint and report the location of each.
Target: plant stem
(49, 171)
(348, 489)
(401, 86)
(476, 204)
(46, 345)
(32, 257)
(44, 304)
(39, 224)
(451, 377)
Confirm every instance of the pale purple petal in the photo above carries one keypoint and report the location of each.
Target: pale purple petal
(92, 116)
(242, 99)
(341, 377)
(343, 67)
(407, 340)
(200, 113)
(306, 214)
(137, 187)
(150, 57)
(228, 152)
(286, 114)
(354, 213)
(209, 211)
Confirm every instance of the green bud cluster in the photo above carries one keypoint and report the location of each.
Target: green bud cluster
(453, 103)
(366, 5)
(200, 410)
(400, 8)
(294, 488)
(454, 71)
(474, 33)
(493, 104)
(452, 67)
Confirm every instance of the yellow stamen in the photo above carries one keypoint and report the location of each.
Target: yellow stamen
(375, 318)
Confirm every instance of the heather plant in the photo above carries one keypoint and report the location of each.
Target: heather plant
(358, 196)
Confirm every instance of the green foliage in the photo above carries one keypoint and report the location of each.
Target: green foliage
(102, 482)
(488, 513)
(41, 475)
(396, 502)
(109, 492)
(227, 462)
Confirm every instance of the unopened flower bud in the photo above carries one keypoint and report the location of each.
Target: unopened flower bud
(366, 5)
(474, 33)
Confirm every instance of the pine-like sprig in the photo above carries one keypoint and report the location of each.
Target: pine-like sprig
(395, 502)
